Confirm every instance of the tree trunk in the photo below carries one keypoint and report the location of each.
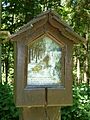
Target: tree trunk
(88, 60)
(0, 42)
(78, 70)
(88, 57)
(0, 12)
(6, 69)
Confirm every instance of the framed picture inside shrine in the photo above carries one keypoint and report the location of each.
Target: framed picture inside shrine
(45, 63)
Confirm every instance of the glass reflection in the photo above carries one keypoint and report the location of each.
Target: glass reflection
(44, 63)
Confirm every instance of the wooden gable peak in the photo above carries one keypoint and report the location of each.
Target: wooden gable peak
(66, 30)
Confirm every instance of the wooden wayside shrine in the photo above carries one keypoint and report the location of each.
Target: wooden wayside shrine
(43, 66)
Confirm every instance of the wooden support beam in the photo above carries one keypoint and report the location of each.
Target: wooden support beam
(40, 113)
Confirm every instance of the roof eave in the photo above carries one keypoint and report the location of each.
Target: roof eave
(76, 38)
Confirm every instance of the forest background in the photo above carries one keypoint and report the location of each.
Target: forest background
(16, 13)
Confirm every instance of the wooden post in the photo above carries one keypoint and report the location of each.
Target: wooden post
(40, 113)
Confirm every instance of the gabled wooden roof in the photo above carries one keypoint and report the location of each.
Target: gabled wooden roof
(54, 19)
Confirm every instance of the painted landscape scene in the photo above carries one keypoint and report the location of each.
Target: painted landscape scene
(44, 63)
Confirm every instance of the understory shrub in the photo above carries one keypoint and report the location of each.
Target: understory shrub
(81, 104)
(8, 111)
(80, 110)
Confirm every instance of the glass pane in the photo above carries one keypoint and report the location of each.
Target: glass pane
(44, 63)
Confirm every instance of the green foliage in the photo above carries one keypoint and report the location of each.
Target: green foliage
(15, 13)
(81, 104)
(7, 62)
(79, 19)
(8, 110)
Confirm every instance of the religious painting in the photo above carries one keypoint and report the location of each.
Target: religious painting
(44, 63)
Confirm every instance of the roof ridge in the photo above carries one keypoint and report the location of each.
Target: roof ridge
(50, 14)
